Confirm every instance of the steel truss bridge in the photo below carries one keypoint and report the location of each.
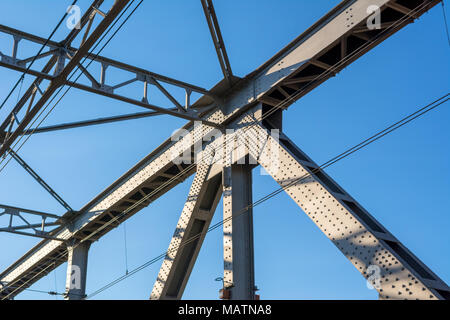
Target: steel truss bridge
(253, 106)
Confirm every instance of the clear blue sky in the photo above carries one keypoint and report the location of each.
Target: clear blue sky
(403, 180)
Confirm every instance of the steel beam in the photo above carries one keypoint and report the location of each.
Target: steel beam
(380, 257)
(190, 232)
(239, 271)
(140, 181)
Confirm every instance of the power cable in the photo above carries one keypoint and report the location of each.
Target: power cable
(125, 246)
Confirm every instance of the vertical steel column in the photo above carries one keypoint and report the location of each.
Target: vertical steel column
(239, 277)
(77, 271)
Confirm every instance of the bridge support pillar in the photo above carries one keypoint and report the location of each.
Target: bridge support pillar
(77, 271)
(239, 277)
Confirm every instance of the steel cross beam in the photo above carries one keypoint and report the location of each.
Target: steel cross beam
(39, 229)
(31, 92)
(286, 77)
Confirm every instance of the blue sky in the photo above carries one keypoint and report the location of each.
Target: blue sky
(403, 179)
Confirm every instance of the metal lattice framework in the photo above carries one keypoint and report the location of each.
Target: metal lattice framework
(245, 111)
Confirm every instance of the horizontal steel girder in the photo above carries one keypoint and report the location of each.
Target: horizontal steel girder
(149, 174)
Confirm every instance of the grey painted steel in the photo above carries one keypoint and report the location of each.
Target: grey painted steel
(357, 234)
(30, 93)
(194, 221)
(77, 271)
(316, 42)
(216, 34)
(239, 270)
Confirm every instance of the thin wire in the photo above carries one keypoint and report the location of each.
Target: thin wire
(280, 105)
(332, 161)
(34, 58)
(445, 22)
